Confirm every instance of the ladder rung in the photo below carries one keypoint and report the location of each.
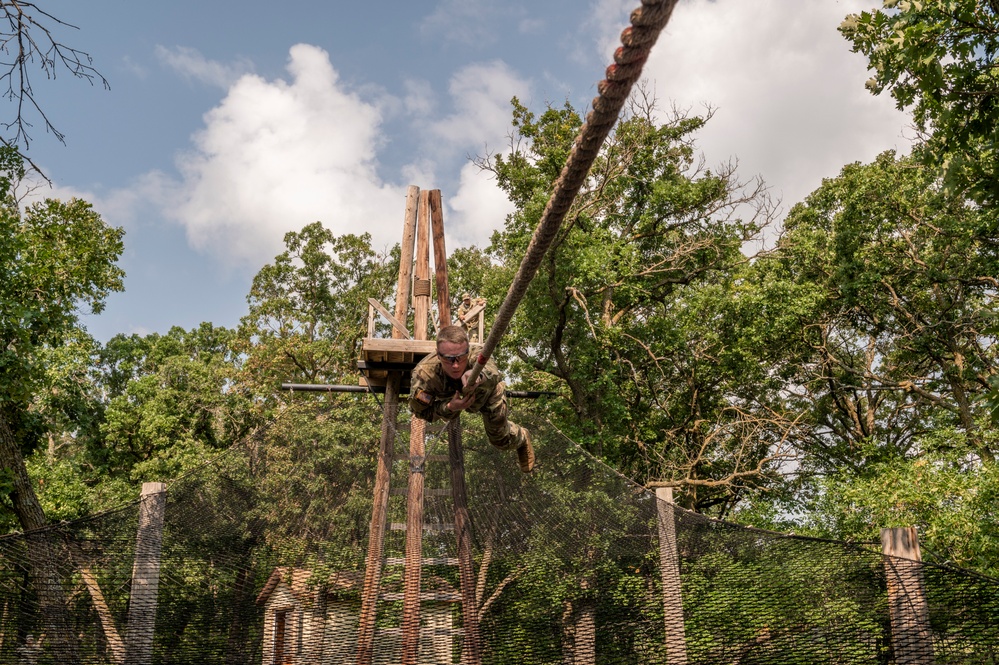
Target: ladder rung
(401, 526)
(403, 491)
(404, 457)
(433, 595)
(424, 630)
(427, 561)
(428, 428)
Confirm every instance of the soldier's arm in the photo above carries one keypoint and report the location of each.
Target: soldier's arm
(429, 407)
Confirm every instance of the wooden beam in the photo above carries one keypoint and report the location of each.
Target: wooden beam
(376, 532)
(440, 258)
(406, 259)
(474, 312)
(423, 346)
(414, 501)
(421, 284)
(414, 545)
(398, 326)
(471, 650)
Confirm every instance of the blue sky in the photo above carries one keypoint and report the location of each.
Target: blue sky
(230, 124)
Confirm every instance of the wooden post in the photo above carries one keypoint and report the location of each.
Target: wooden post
(376, 532)
(145, 575)
(421, 275)
(907, 606)
(440, 258)
(669, 566)
(471, 650)
(406, 260)
(417, 453)
(390, 411)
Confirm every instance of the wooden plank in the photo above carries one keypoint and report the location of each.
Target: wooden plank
(425, 631)
(374, 344)
(397, 325)
(443, 597)
(376, 532)
(471, 649)
(440, 257)
(427, 561)
(669, 569)
(404, 491)
(473, 313)
(429, 528)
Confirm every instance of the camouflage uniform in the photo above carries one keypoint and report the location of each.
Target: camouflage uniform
(431, 390)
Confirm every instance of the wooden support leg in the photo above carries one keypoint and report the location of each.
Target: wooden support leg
(376, 535)
(471, 652)
(414, 545)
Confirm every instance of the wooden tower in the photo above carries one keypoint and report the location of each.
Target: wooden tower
(387, 362)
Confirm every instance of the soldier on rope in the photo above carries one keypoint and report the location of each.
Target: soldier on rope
(437, 383)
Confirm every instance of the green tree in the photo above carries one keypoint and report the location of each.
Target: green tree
(308, 313)
(58, 258)
(627, 316)
(888, 348)
(308, 309)
(938, 58)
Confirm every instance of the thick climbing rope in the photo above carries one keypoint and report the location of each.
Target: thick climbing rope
(636, 43)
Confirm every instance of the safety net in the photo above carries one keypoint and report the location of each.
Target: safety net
(261, 555)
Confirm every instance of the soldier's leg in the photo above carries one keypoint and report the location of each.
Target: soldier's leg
(502, 433)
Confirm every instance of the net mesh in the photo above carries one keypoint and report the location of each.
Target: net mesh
(262, 554)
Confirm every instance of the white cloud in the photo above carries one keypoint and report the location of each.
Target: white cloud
(277, 155)
(479, 208)
(189, 63)
(480, 124)
(481, 95)
(790, 97)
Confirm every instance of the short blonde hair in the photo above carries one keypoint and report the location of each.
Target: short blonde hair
(452, 334)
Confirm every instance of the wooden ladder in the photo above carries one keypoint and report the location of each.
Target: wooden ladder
(420, 216)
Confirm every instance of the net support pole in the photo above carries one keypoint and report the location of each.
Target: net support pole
(145, 575)
(907, 605)
(669, 567)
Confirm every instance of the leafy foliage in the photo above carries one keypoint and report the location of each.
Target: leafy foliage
(627, 315)
(938, 58)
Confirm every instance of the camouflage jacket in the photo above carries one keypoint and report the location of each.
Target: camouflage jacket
(431, 389)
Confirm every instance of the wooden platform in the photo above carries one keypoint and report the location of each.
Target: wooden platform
(379, 356)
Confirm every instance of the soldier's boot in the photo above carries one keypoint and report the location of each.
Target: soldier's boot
(525, 454)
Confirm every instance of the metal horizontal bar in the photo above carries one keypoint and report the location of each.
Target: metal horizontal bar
(333, 388)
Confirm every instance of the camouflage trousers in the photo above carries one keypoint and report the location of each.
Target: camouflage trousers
(502, 433)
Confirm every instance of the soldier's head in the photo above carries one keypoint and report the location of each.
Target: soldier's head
(452, 349)
(466, 298)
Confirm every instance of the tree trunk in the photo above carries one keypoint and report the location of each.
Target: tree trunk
(115, 643)
(42, 556)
